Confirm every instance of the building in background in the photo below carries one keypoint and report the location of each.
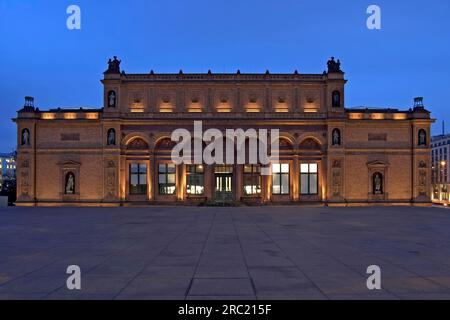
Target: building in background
(440, 152)
(7, 167)
(120, 154)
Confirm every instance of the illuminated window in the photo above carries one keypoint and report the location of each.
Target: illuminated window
(138, 178)
(252, 180)
(223, 109)
(280, 179)
(166, 179)
(309, 182)
(282, 109)
(195, 180)
(166, 108)
(195, 109)
(252, 109)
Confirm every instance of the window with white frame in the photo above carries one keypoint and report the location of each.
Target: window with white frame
(280, 178)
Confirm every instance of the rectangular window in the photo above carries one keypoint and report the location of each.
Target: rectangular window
(280, 179)
(166, 178)
(252, 180)
(309, 182)
(138, 178)
(195, 180)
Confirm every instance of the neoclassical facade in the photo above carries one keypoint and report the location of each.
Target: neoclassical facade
(121, 154)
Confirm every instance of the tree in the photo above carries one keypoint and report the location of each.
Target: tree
(9, 190)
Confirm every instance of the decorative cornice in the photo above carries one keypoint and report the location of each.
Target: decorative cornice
(224, 77)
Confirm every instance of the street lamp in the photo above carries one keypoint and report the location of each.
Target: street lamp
(443, 165)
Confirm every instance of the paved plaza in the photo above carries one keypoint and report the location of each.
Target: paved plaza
(225, 253)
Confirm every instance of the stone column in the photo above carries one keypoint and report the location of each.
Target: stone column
(238, 185)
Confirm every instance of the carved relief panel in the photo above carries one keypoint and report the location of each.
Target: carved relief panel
(253, 100)
(196, 100)
(110, 179)
(336, 178)
(422, 179)
(166, 101)
(24, 176)
(224, 100)
(136, 100)
(311, 100)
(281, 101)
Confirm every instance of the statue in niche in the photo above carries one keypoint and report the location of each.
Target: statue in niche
(378, 183)
(422, 138)
(336, 99)
(336, 137)
(111, 137)
(112, 99)
(25, 137)
(70, 183)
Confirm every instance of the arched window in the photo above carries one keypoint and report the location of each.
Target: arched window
(422, 138)
(69, 186)
(112, 99)
(111, 137)
(25, 138)
(336, 99)
(336, 137)
(377, 182)
(137, 144)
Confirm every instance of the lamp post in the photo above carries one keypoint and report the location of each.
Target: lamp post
(443, 165)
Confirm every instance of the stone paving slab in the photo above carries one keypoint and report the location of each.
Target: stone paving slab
(246, 253)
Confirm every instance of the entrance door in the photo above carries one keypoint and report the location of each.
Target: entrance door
(224, 183)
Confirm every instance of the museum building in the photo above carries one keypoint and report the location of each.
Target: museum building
(121, 154)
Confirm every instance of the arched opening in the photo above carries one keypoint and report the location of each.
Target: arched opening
(311, 157)
(310, 144)
(281, 171)
(166, 168)
(137, 144)
(422, 137)
(137, 150)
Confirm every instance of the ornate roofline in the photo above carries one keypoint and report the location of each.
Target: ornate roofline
(222, 77)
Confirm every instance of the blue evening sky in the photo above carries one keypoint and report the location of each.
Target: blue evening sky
(40, 57)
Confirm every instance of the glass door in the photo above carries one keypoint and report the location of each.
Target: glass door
(223, 183)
